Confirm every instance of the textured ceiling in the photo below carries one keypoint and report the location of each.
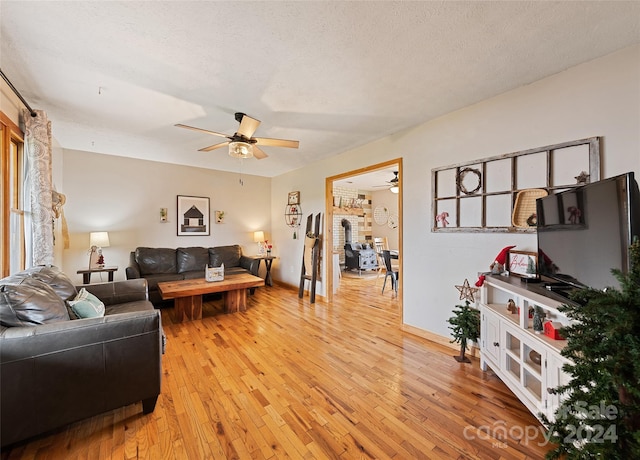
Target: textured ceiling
(114, 77)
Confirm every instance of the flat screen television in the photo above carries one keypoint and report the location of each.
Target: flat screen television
(585, 232)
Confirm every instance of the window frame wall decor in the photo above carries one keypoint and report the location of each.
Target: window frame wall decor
(461, 192)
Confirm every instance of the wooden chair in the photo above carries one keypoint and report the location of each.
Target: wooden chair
(382, 244)
(378, 245)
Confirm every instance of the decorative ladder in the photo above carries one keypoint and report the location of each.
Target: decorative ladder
(310, 257)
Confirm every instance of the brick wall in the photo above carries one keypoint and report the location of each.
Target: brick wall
(354, 206)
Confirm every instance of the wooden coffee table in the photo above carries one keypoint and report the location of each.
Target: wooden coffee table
(188, 294)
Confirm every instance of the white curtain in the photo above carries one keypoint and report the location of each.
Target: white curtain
(26, 207)
(38, 153)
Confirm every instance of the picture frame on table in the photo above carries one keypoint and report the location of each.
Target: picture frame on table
(193, 216)
(293, 198)
(523, 264)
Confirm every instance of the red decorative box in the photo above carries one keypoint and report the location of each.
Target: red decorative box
(553, 329)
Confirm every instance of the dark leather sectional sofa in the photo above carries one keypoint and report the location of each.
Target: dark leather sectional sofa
(55, 370)
(165, 264)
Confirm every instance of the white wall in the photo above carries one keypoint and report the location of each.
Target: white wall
(597, 98)
(10, 104)
(390, 201)
(123, 196)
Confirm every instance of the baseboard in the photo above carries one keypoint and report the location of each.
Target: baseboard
(291, 287)
(473, 351)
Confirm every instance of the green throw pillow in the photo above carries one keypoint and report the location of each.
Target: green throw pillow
(86, 305)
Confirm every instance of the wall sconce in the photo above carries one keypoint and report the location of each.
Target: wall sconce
(163, 214)
(97, 241)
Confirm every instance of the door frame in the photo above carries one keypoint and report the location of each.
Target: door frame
(329, 220)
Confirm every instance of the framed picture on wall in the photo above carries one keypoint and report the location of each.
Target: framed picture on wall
(193, 216)
(293, 198)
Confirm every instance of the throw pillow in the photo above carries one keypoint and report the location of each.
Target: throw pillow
(86, 305)
(30, 302)
(55, 278)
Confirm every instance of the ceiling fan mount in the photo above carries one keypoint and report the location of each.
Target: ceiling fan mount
(242, 144)
(392, 182)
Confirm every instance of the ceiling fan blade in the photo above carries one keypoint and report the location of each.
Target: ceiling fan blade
(258, 153)
(213, 147)
(206, 131)
(276, 142)
(248, 126)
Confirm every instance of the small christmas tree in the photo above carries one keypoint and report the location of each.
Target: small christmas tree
(600, 415)
(465, 326)
(531, 266)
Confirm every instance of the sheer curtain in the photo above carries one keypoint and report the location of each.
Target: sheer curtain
(37, 144)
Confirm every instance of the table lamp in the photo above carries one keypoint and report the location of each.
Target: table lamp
(97, 241)
(258, 237)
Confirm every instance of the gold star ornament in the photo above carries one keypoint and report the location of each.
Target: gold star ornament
(466, 291)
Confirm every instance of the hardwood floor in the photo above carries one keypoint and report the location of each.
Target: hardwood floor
(287, 379)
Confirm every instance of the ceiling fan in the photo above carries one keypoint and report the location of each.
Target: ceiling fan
(242, 144)
(393, 187)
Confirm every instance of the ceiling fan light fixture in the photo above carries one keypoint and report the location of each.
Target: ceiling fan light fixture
(394, 183)
(240, 149)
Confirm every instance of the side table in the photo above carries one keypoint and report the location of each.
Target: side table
(268, 261)
(86, 274)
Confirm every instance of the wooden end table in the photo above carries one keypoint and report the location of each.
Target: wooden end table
(86, 274)
(187, 294)
(268, 261)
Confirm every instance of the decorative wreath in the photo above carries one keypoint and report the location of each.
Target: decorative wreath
(460, 180)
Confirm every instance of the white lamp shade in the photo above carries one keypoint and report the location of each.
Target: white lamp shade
(99, 239)
(394, 189)
(258, 236)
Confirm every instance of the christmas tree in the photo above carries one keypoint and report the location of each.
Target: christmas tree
(465, 326)
(600, 414)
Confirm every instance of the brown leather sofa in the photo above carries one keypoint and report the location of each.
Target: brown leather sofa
(165, 264)
(55, 370)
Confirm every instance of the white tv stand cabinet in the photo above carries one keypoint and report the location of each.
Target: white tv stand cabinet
(509, 346)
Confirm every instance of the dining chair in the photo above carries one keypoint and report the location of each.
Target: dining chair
(378, 245)
(391, 273)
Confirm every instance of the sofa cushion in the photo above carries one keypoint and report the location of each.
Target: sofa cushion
(193, 275)
(29, 303)
(56, 279)
(86, 305)
(129, 307)
(192, 259)
(234, 270)
(227, 255)
(153, 261)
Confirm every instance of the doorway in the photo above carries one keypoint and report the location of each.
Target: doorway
(371, 177)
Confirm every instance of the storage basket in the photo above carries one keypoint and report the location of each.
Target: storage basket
(525, 206)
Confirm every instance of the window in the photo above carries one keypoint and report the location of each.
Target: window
(12, 238)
